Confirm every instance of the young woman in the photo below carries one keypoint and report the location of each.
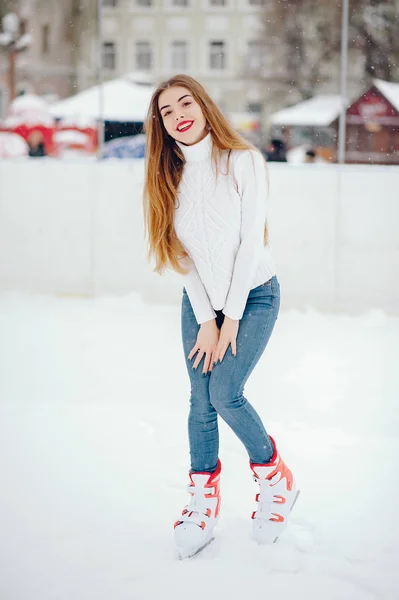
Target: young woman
(205, 212)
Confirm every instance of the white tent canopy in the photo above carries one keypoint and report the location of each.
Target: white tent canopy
(29, 109)
(123, 100)
(319, 111)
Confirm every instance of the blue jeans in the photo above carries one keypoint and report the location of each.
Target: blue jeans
(221, 392)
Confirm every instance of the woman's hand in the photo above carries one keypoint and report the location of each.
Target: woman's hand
(207, 340)
(227, 337)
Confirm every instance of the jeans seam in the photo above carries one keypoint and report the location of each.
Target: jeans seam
(255, 359)
(271, 286)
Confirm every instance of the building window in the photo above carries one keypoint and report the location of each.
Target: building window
(112, 3)
(256, 54)
(254, 107)
(217, 55)
(353, 137)
(23, 26)
(179, 55)
(217, 2)
(180, 2)
(24, 87)
(143, 56)
(144, 3)
(109, 55)
(45, 39)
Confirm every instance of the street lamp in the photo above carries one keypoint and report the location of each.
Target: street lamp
(344, 77)
(100, 78)
(14, 43)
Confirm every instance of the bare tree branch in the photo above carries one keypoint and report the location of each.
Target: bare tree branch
(303, 38)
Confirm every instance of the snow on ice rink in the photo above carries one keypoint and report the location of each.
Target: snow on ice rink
(94, 457)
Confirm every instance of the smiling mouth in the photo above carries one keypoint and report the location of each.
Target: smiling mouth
(185, 126)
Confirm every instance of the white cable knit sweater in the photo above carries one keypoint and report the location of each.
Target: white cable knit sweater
(220, 222)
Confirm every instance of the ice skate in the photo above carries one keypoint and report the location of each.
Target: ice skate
(194, 529)
(276, 498)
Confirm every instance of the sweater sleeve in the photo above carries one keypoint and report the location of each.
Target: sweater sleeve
(195, 289)
(251, 176)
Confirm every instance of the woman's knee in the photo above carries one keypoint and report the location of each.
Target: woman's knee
(224, 397)
(200, 403)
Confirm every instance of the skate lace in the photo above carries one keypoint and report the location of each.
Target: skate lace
(197, 508)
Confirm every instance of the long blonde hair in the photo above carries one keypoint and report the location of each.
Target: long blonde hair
(164, 163)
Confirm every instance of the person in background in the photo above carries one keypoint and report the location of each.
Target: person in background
(276, 151)
(310, 156)
(205, 199)
(36, 144)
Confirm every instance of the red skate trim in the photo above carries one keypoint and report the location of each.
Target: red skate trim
(213, 482)
(211, 475)
(277, 518)
(284, 472)
(216, 485)
(281, 468)
(203, 524)
(279, 500)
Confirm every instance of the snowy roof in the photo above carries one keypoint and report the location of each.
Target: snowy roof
(28, 102)
(123, 100)
(29, 109)
(389, 90)
(324, 109)
(318, 111)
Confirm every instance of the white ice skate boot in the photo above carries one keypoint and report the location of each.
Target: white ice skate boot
(275, 500)
(194, 529)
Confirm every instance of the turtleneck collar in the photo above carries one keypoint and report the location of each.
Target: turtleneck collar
(199, 151)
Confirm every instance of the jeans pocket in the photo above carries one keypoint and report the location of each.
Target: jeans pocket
(267, 284)
(267, 289)
(263, 286)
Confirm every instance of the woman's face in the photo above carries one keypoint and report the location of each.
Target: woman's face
(182, 115)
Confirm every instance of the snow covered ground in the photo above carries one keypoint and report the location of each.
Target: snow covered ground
(94, 458)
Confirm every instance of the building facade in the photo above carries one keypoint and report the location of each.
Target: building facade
(61, 57)
(215, 41)
(219, 42)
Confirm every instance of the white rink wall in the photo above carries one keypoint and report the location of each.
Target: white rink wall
(76, 228)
